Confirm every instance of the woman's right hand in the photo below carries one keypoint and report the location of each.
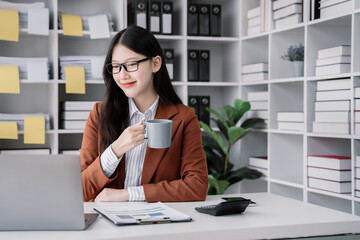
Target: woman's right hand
(131, 137)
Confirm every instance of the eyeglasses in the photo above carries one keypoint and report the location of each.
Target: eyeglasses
(131, 66)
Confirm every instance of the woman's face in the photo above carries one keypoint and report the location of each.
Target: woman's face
(138, 84)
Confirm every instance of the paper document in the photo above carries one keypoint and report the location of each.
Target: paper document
(38, 21)
(99, 26)
(140, 213)
(8, 130)
(72, 25)
(9, 79)
(9, 25)
(34, 130)
(74, 80)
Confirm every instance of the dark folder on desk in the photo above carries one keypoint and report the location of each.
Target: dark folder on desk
(142, 213)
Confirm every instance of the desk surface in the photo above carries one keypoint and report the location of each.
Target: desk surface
(274, 217)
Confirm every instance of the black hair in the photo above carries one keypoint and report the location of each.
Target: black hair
(114, 117)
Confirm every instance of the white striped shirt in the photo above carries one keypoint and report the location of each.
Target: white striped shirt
(134, 158)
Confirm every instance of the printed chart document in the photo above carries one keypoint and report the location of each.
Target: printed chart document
(142, 213)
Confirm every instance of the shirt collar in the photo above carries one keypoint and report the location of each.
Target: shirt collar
(133, 109)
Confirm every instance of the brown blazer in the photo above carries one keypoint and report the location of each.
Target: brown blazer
(178, 173)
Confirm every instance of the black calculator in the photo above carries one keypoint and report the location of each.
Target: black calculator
(225, 208)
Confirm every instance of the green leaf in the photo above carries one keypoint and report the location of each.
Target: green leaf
(243, 173)
(219, 116)
(245, 106)
(238, 103)
(255, 123)
(214, 162)
(216, 186)
(222, 128)
(229, 112)
(208, 141)
(235, 133)
(217, 137)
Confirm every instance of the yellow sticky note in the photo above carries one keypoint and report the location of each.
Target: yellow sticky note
(34, 129)
(74, 80)
(8, 130)
(72, 25)
(9, 79)
(9, 25)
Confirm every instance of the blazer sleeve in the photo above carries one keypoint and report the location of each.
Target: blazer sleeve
(93, 177)
(193, 182)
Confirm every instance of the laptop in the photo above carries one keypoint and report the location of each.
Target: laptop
(42, 192)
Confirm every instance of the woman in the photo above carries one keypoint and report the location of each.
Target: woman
(116, 163)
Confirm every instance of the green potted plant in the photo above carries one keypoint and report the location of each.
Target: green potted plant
(217, 145)
(295, 54)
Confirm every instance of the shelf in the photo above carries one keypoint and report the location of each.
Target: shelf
(323, 77)
(25, 81)
(337, 195)
(283, 80)
(216, 40)
(75, 131)
(254, 83)
(286, 183)
(86, 82)
(328, 135)
(213, 84)
(285, 132)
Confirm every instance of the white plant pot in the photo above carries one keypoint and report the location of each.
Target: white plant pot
(298, 68)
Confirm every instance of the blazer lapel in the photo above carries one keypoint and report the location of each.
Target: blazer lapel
(153, 156)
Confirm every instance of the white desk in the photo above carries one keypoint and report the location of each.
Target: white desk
(274, 217)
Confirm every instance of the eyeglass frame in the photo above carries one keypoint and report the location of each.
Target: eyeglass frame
(121, 65)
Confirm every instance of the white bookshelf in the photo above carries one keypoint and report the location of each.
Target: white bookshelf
(286, 150)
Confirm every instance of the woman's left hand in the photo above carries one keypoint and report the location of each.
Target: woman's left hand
(112, 195)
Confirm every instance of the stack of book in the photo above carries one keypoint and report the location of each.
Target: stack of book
(258, 98)
(291, 121)
(31, 69)
(330, 173)
(19, 119)
(254, 72)
(357, 176)
(253, 21)
(257, 19)
(332, 106)
(93, 65)
(259, 163)
(259, 103)
(75, 113)
(357, 110)
(329, 8)
(287, 13)
(25, 151)
(335, 60)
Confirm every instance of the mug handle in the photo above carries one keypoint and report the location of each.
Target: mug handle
(145, 123)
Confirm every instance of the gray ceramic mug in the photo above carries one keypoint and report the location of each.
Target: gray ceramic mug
(158, 133)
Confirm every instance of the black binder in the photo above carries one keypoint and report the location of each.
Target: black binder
(215, 20)
(193, 66)
(204, 66)
(137, 13)
(169, 61)
(204, 19)
(193, 101)
(167, 17)
(204, 115)
(154, 17)
(193, 20)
